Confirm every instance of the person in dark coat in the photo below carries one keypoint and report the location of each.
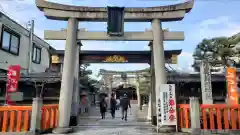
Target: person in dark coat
(103, 107)
(113, 105)
(125, 103)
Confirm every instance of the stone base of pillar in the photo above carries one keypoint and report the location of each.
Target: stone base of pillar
(73, 121)
(149, 119)
(154, 120)
(166, 129)
(62, 130)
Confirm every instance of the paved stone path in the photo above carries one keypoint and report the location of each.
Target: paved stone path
(94, 125)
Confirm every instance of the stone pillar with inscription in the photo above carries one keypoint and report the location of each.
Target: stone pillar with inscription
(206, 83)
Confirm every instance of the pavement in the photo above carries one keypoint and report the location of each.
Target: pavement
(92, 124)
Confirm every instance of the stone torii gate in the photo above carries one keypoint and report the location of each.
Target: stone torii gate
(74, 14)
(108, 75)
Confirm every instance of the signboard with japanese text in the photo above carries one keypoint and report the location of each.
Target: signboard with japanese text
(55, 59)
(12, 81)
(168, 103)
(15, 96)
(232, 85)
(174, 59)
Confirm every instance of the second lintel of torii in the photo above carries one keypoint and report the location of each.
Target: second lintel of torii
(128, 36)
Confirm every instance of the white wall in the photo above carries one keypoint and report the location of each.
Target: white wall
(23, 58)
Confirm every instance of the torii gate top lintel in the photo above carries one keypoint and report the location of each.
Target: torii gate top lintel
(144, 14)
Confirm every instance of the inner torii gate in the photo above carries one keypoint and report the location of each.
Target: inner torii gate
(108, 77)
(74, 14)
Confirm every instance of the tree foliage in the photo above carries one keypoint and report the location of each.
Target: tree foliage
(219, 50)
(85, 79)
(145, 84)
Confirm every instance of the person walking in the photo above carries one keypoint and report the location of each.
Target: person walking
(83, 104)
(125, 103)
(103, 107)
(118, 104)
(113, 105)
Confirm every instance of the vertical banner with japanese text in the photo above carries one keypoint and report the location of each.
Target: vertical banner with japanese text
(168, 103)
(232, 85)
(13, 77)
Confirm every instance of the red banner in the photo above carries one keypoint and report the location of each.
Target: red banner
(13, 77)
(232, 86)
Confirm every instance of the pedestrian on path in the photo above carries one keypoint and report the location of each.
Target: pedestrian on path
(103, 107)
(118, 104)
(113, 104)
(125, 103)
(83, 104)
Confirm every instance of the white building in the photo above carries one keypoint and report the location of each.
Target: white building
(15, 47)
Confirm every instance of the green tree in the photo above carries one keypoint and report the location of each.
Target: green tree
(85, 79)
(219, 49)
(145, 83)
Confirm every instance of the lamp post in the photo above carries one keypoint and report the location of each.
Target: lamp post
(205, 75)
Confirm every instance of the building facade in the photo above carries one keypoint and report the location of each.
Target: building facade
(15, 47)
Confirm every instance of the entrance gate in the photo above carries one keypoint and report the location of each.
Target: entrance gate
(74, 14)
(86, 56)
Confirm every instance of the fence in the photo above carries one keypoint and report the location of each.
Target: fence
(17, 118)
(213, 117)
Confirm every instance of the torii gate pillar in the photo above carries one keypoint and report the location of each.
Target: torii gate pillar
(66, 92)
(159, 62)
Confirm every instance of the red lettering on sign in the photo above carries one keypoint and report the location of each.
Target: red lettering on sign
(12, 82)
(171, 118)
(171, 110)
(171, 102)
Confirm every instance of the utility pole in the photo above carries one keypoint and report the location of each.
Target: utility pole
(31, 33)
(37, 101)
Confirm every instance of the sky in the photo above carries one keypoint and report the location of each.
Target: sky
(207, 19)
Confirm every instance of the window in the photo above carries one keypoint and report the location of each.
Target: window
(10, 41)
(36, 54)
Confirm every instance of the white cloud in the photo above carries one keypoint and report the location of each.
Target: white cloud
(186, 54)
(185, 62)
(220, 26)
(213, 27)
